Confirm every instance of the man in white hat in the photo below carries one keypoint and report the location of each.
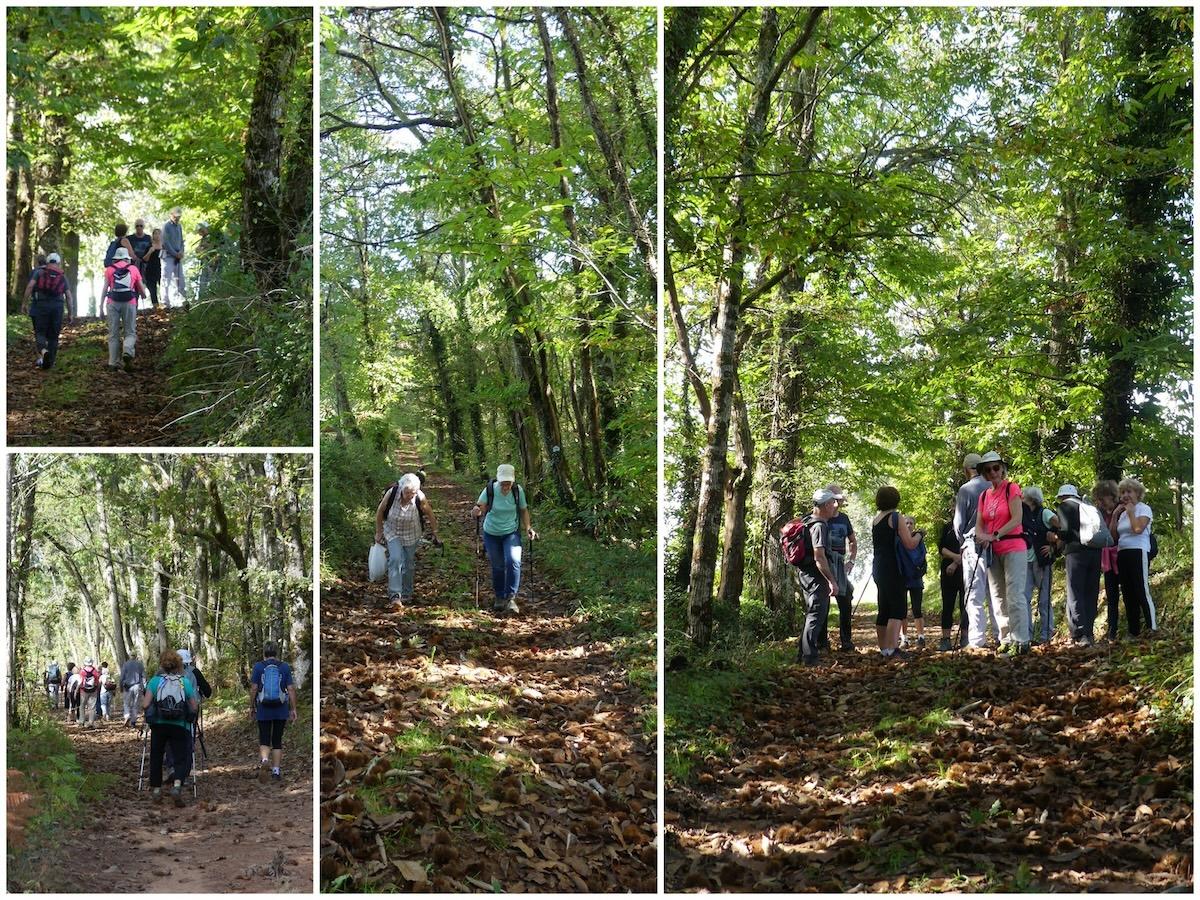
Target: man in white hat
(818, 582)
(1083, 568)
(966, 507)
(123, 285)
(502, 504)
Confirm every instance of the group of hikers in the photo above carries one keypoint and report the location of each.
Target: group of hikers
(501, 511)
(998, 549)
(170, 703)
(134, 267)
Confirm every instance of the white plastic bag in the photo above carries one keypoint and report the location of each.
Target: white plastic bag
(377, 563)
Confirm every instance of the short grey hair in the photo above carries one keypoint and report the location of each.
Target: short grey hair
(1132, 484)
(410, 480)
(1035, 494)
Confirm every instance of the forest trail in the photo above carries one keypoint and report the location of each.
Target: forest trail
(942, 772)
(466, 752)
(236, 835)
(80, 402)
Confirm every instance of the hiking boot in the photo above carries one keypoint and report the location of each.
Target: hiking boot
(921, 642)
(944, 644)
(847, 647)
(277, 777)
(511, 606)
(127, 362)
(264, 770)
(177, 795)
(1022, 648)
(156, 794)
(112, 368)
(499, 606)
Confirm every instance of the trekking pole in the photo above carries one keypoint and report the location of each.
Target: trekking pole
(200, 735)
(861, 594)
(477, 562)
(531, 571)
(142, 768)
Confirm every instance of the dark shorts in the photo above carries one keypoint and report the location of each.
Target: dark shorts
(270, 733)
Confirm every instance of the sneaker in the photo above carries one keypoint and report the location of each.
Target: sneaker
(177, 795)
(263, 771)
(921, 642)
(511, 606)
(156, 794)
(1022, 648)
(944, 644)
(127, 361)
(499, 606)
(113, 368)
(277, 777)
(396, 601)
(40, 362)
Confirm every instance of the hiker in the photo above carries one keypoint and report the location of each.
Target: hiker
(152, 266)
(975, 586)
(120, 242)
(53, 682)
(108, 687)
(89, 693)
(272, 706)
(1035, 526)
(172, 259)
(1083, 567)
(890, 533)
(170, 706)
(133, 682)
(44, 299)
(71, 695)
(202, 691)
(841, 539)
(139, 246)
(951, 583)
(501, 503)
(999, 535)
(913, 566)
(401, 517)
(1131, 531)
(123, 286)
(1105, 496)
(818, 580)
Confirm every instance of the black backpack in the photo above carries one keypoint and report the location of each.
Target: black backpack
(391, 498)
(1034, 530)
(491, 494)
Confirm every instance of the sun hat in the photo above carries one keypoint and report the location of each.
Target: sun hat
(505, 472)
(1068, 490)
(822, 496)
(121, 253)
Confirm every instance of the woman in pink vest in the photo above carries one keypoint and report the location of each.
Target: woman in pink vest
(998, 529)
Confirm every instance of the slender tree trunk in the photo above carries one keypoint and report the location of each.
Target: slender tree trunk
(22, 505)
(110, 575)
(737, 493)
(441, 368)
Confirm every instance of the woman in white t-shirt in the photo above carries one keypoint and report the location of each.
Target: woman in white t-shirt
(1131, 529)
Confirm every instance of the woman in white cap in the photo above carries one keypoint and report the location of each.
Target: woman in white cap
(503, 505)
(998, 527)
(401, 517)
(123, 285)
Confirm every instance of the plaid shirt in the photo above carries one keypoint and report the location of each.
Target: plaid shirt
(403, 521)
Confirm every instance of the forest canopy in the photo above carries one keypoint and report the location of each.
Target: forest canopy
(898, 235)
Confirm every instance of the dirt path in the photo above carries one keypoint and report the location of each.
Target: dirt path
(944, 772)
(80, 402)
(236, 836)
(466, 752)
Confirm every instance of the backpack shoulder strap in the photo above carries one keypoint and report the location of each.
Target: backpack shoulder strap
(491, 493)
(391, 498)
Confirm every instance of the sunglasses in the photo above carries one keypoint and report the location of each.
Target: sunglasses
(988, 470)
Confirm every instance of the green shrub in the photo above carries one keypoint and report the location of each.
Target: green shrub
(353, 475)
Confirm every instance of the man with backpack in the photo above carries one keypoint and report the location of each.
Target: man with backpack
(272, 706)
(841, 540)
(172, 259)
(1035, 527)
(170, 706)
(123, 286)
(1079, 533)
(133, 682)
(53, 682)
(46, 294)
(401, 518)
(71, 692)
(975, 585)
(202, 691)
(89, 692)
(503, 504)
(818, 582)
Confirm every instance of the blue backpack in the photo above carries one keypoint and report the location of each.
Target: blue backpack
(271, 693)
(912, 562)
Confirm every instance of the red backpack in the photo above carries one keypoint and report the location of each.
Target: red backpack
(796, 542)
(89, 675)
(48, 284)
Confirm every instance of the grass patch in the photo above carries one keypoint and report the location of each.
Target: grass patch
(76, 370)
(415, 743)
(480, 771)
(463, 698)
(492, 834)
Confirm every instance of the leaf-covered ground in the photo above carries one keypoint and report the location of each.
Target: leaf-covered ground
(236, 835)
(945, 772)
(466, 752)
(80, 402)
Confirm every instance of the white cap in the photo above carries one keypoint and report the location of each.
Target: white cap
(823, 496)
(121, 253)
(505, 472)
(186, 655)
(88, 661)
(53, 258)
(1068, 490)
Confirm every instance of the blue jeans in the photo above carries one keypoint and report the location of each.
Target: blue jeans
(47, 316)
(504, 553)
(401, 566)
(1038, 577)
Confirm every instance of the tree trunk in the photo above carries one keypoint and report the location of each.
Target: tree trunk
(110, 575)
(50, 174)
(441, 369)
(22, 505)
(737, 493)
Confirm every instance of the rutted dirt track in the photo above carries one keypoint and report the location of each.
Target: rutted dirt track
(466, 752)
(236, 836)
(944, 772)
(80, 402)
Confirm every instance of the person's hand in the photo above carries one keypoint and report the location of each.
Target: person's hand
(849, 565)
(379, 537)
(476, 512)
(983, 539)
(437, 541)
(292, 716)
(833, 587)
(952, 568)
(253, 715)
(532, 535)
(24, 309)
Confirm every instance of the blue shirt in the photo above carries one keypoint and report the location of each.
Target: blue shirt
(840, 530)
(272, 713)
(502, 517)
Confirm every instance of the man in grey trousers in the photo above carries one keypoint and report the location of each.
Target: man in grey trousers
(133, 682)
(172, 259)
(975, 586)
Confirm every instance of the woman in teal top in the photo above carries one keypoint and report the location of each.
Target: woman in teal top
(502, 537)
(170, 705)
